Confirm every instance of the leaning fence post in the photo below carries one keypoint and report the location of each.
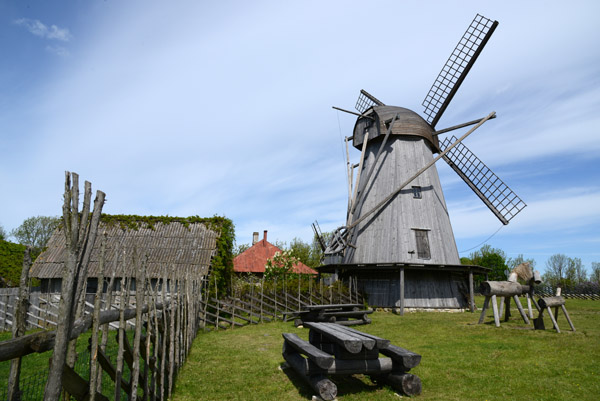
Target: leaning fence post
(140, 283)
(96, 324)
(78, 239)
(18, 328)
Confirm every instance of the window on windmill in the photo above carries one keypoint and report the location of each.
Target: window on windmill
(422, 240)
(417, 192)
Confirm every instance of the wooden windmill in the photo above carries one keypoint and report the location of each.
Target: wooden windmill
(397, 215)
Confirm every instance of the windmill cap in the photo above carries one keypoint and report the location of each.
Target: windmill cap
(408, 123)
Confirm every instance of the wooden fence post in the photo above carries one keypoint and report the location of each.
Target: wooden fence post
(18, 326)
(140, 283)
(96, 325)
(79, 238)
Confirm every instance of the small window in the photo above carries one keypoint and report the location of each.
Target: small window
(422, 239)
(417, 192)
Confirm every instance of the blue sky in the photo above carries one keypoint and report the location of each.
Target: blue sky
(202, 108)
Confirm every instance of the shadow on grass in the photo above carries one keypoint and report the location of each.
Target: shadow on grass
(346, 384)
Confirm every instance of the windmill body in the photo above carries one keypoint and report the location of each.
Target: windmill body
(397, 241)
(414, 226)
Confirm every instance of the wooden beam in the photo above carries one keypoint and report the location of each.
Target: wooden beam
(471, 292)
(404, 358)
(320, 358)
(418, 173)
(401, 285)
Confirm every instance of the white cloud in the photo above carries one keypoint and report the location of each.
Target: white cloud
(40, 29)
(549, 212)
(58, 50)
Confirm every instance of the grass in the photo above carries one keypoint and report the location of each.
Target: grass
(461, 359)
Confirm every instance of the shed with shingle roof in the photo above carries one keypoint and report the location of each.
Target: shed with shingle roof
(177, 245)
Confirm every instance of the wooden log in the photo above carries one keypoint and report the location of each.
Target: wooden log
(340, 353)
(505, 303)
(405, 383)
(341, 367)
(471, 292)
(495, 310)
(529, 309)
(486, 304)
(112, 371)
(320, 358)
(77, 387)
(140, 281)
(549, 302)
(43, 341)
(379, 342)
(96, 324)
(121, 338)
(326, 389)
(334, 306)
(502, 288)
(79, 241)
(554, 323)
(356, 314)
(357, 322)
(339, 334)
(520, 308)
(402, 357)
(19, 326)
(564, 309)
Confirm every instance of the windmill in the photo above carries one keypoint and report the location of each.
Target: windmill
(397, 215)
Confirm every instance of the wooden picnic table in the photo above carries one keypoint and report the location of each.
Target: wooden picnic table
(334, 313)
(334, 349)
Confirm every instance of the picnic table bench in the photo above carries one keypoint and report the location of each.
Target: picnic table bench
(335, 313)
(334, 349)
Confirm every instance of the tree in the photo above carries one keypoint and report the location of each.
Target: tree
(309, 254)
(512, 263)
(238, 249)
(493, 258)
(3, 234)
(281, 263)
(595, 276)
(36, 231)
(556, 267)
(576, 273)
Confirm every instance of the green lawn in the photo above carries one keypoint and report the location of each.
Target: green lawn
(461, 360)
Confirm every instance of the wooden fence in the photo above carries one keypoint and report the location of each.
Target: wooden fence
(255, 301)
(148, 355)
(590, 292)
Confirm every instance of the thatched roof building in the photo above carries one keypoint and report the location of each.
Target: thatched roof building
(173, 245)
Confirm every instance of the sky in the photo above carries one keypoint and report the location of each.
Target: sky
(225, 108)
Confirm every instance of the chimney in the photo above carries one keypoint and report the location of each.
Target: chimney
(265, 237)
(254, 237)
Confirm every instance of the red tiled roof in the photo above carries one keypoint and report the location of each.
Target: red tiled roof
(254, 259)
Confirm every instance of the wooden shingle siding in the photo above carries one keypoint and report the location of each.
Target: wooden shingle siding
(387, 236)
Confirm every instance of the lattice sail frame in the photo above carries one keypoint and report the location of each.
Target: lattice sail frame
(365, 101)
(497, 196)
(457, 67)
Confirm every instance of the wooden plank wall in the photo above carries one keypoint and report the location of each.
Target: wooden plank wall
(422, 289)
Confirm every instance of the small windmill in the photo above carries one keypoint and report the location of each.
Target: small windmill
(396, 210)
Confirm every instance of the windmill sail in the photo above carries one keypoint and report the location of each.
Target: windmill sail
(501, 200)
(457, 67)
(366, 100)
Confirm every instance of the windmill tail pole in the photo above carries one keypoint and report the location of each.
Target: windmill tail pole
(421, 171)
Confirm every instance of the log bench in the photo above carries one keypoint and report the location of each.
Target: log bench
(344, 314)
(334, 349)
(552, 302)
